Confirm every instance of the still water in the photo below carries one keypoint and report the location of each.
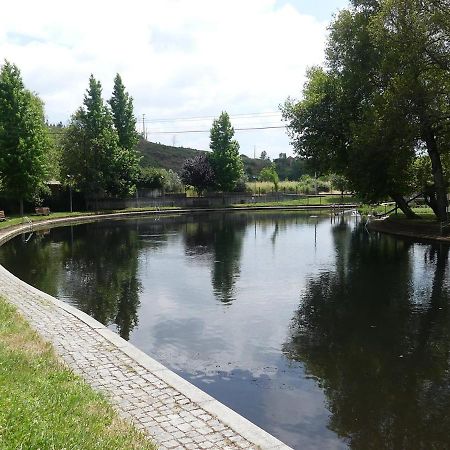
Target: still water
(324, 335)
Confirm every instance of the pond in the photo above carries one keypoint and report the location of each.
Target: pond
(323, 334)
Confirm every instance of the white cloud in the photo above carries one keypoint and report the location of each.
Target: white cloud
(177, 58)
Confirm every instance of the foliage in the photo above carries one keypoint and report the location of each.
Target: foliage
(383, 95)
(225, 159)
(172, 181)
(270, 174)
(290, 168)
(157, 178)
(198, 173)
(252, 166)
(151, 178)
(123, 116)
(338, 182)
(24, 140)
(241, 185)
(91, 151)
(56, 134)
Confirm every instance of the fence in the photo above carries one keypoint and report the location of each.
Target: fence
(154, 199)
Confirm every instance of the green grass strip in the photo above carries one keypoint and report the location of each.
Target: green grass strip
(43, 405)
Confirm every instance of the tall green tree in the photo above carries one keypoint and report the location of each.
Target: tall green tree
(381, 98)
(127, 160)
(225, 159)
(414, 36)
(123, 115)
(24, 141)
(92, 155)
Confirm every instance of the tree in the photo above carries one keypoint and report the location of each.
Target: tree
(415, 37)
(198, 173)
(123, 117)
(92, 155)
(225, 159)
(24, 139)
(338, 182)
(127, 164)
(270, 174)
(349, 121)
(263, 155)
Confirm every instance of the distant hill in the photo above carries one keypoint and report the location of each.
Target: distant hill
(168, 157)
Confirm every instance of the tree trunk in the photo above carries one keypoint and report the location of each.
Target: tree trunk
(439, 202)
(403, 205)
(21, 207)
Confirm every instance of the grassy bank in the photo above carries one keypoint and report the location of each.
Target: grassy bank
(44, 406)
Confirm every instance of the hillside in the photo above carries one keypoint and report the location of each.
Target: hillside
(165, 156)
(168, 157)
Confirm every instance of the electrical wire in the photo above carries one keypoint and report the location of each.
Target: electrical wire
(207, 131)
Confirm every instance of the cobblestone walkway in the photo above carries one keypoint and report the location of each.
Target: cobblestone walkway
(172, 411)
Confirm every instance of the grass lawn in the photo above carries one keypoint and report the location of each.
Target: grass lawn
(44, 406)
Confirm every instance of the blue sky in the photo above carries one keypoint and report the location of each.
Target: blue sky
(179, 59)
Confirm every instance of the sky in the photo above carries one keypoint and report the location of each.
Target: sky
(183, 62)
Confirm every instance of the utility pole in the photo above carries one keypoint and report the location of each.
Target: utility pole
(144, 131)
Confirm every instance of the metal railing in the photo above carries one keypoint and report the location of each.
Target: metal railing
(28, 221)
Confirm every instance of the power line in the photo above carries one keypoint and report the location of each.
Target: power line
(234, 116)
(267, 127)
(270, 127)
(207, 131)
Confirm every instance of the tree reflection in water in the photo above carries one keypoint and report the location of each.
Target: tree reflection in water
(219, 237)
(380, 352)
(102, 276)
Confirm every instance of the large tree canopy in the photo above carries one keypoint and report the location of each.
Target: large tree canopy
(381, 100)
(24, 142)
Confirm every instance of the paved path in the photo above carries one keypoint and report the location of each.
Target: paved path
(172, 411)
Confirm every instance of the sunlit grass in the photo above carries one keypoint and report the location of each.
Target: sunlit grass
(43, 405)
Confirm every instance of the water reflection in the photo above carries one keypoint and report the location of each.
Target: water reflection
(382, 361)
(220, 239)
(323, 334)
(93, 267)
